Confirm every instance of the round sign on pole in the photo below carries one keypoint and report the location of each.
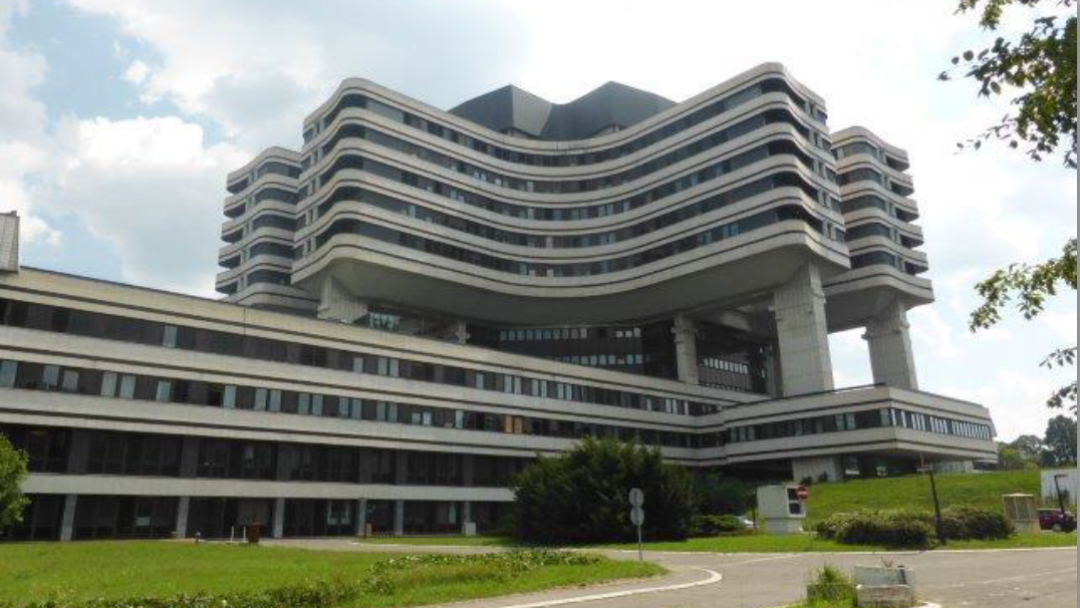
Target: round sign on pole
(637, 497)
(802, 493)
(637, 516)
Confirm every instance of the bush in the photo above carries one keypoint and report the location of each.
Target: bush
(903, 529)
(973, 523)
(720, 495)
(12, 473)
(716, 525)
(581, 496)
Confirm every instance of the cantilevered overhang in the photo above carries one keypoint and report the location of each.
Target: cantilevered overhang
(750, 264)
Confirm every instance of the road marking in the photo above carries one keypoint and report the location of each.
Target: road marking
(714, 577)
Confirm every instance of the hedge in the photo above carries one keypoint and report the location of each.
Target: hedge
(716, 525)
(901, 528)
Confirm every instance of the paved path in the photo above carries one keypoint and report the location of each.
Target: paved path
(1040, 578)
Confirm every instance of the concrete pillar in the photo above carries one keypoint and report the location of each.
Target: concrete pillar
(461, 332)
(399, 518)
(361, 517)
(67, 521)
(890, 348)
(466, 516)
(183, 505)
(278, 517)
(803, 334)
(335, 302)
(686, 360)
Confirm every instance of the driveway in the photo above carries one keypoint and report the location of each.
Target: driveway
(1041, 578)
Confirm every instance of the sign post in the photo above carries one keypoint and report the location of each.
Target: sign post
(637, 516)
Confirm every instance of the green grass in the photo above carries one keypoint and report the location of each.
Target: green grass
(913, 492)
(1020, 541)
(81, 570)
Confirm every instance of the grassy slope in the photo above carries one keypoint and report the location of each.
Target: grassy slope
(39, 571)
(979, 490)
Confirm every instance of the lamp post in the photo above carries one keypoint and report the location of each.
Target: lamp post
(1057, 491)
(938, 525)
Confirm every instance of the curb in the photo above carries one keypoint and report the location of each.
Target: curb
(713, 577)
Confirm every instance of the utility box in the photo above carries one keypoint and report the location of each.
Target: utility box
(783, 506)
(1022, 512)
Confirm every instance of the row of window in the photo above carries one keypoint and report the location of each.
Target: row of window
(572, 269)
(37, 376)
(113, 327)
(76, 451)
(735, 99)
(659, 222)
(574, 186)
(571, 213)
(862, 147)
(862, 174)
(567, 333)
(270, 167)
(868, 419)
(884, 258)
(870, 201)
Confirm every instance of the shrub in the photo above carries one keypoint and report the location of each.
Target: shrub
(12, 473)
(973, 523)
(905, 529)
(581, 496)
(830, 585)
(716, 525)
(720, 495)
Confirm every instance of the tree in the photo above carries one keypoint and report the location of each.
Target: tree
(1009, 457)
(1030, 447)
(721, 495)
(582, 496)
(1040, 67)
(12, 474)
(1060, 443)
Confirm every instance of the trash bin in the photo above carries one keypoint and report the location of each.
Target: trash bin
(254, 533)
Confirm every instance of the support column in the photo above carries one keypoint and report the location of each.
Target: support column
(686, 360)
(803, 334)
(361, 517)
(890, 348)
(183, 505)
(468, 528)
(399, 518)
(335, 302)
(278, 516)
(67, 521)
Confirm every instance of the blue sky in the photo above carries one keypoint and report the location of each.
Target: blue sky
(119, 120)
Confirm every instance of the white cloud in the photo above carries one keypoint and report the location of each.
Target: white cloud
(137, 72)
(152, 188)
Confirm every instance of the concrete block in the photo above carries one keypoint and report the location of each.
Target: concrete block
(887, 596)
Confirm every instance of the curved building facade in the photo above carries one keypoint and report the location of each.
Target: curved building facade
(419, 302)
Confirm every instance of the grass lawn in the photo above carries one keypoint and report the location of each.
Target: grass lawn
(81, 570)
(913, 492)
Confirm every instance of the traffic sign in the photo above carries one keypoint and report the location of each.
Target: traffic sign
(802, 493)
(637, 516)
(637, 497)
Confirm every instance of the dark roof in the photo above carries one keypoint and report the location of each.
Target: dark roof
(511, 108)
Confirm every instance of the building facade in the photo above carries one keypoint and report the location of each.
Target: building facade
(419, 302)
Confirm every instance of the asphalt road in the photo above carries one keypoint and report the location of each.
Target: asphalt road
(1040, 578)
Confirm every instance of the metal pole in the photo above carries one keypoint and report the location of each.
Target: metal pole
(1057, 490)
(937, 508)
(640, 555)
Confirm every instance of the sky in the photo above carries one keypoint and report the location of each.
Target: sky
(119, 120)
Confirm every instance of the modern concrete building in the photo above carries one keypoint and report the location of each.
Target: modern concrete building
(419, 302)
